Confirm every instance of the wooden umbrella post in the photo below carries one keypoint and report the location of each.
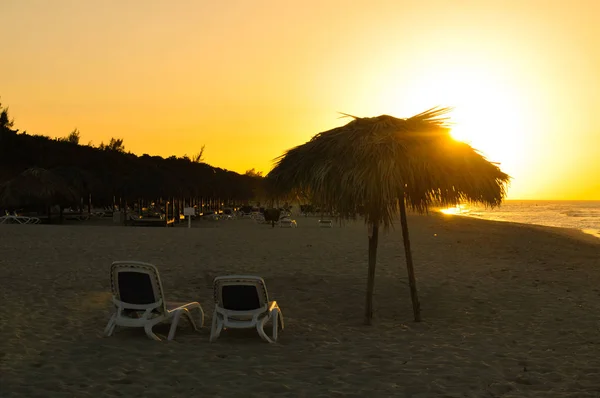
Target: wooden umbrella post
(373, 240)
(409, 263)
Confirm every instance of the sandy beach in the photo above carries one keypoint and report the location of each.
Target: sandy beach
(509, 310)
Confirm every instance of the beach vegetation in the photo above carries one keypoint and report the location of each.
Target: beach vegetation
(108, 174)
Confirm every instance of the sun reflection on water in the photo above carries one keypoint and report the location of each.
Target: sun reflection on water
(456, 210)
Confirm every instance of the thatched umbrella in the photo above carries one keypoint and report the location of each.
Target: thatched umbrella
(82, 181)
(377, 164)
(36, 186)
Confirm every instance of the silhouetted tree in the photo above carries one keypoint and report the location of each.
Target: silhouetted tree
(253, 173)
(199, 157)
(5, 122)
(72, 138)
(115, 144)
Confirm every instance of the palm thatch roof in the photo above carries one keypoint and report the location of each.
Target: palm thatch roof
(36, 186)
(373, 162)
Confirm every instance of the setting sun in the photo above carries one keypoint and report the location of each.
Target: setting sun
(488, 101)
(487, 110)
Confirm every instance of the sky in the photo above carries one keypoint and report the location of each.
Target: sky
(251, 78)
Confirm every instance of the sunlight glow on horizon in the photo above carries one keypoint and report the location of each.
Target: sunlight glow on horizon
(250, 80)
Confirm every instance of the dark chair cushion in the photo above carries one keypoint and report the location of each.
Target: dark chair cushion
(240, 298)
(136, 288)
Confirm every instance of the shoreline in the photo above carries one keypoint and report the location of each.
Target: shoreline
(569, 231)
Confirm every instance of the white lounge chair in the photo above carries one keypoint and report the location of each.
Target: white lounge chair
(242, 302)
(139, 300)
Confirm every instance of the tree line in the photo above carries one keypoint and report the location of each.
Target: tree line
(108, 171)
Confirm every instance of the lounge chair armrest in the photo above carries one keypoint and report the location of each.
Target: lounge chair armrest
(273, 305)
(174, 305)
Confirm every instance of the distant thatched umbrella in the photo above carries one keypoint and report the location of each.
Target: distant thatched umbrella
(379, 163)
(81, 181)
(36, 186)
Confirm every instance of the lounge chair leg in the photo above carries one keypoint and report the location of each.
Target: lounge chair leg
(189, 316)
(280, 319)
(201, 317)
(215, 328)
(150, 333)
(191, 319)
(260, 327)
(110, 327)
(175, 321)
(275, 324)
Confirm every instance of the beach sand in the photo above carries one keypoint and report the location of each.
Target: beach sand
(508, 310)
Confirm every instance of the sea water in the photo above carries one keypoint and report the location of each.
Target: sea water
(582, 215)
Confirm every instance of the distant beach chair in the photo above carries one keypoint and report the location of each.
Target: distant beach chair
(325, 224)
(287, 223)
(136, 288)
(14, 217)
(98, 213)
(255, 214)
(10, 218)
(242, 302)
(32, 220)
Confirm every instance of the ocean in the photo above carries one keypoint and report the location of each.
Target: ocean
(582, 215)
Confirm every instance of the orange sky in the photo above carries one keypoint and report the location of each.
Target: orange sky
(252, 78)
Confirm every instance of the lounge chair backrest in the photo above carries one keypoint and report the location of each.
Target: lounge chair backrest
(137, 285)
(240, 292)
